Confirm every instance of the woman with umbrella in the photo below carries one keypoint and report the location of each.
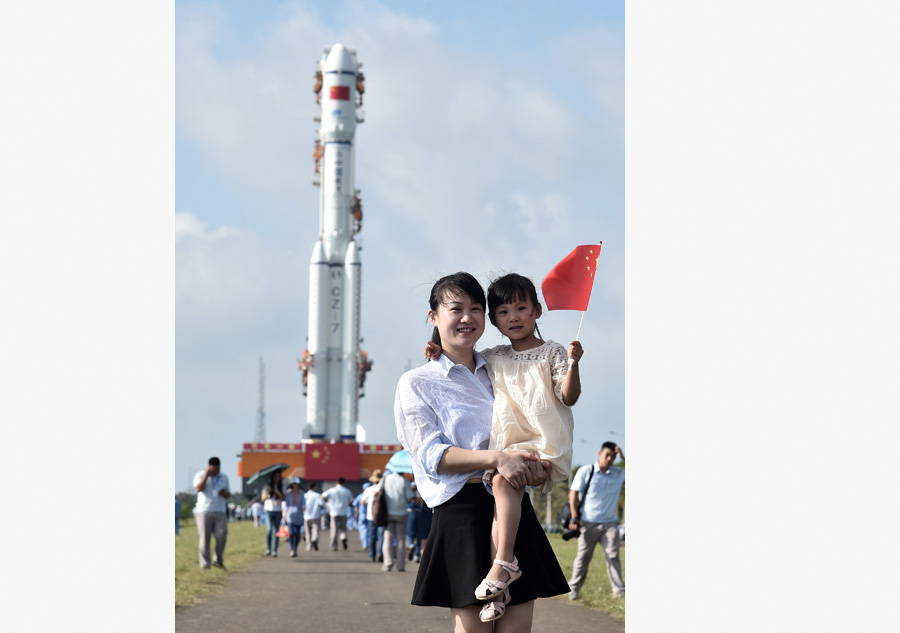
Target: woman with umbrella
(272, 496)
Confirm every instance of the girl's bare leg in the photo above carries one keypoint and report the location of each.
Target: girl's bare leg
(507, 513)
(517, 619)
(466, 620)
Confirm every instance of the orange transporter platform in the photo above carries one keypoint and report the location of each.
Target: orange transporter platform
(317, 461)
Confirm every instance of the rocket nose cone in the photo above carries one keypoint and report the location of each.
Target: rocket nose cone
(339, 59)
(318, 254)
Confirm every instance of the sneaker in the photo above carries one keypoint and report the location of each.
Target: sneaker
(410, 550)
(268, 553)
(344, 543)
(618, 595)
(293, 553)
(315, 546)
(573, 595)
(386, 567)
(380, 558)
(219, 565)
(275, 554)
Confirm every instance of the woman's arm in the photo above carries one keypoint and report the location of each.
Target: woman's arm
(513, 466)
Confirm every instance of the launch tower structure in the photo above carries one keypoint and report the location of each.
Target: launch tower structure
(334, 366)
(261, 407)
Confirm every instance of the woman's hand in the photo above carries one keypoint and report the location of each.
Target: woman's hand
(516, 467)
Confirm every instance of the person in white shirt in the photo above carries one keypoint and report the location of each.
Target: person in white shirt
(312, 515)
(210, 511)
(443, 415)
(398, 492)
(272, 498)
(339, 500)
(374, 533)
(256, 510)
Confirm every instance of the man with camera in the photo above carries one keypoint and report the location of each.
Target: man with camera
(596, 518)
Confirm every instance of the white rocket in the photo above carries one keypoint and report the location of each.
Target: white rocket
(332, 366)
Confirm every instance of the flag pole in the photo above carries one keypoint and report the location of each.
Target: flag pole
(572, 361)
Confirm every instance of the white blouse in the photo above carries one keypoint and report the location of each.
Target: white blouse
(439, 405)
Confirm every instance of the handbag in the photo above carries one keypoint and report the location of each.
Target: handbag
(283, 532)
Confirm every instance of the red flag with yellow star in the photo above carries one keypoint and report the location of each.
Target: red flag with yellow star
(568, 286)
(326, 461)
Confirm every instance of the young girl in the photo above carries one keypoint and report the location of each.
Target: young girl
(535, 383)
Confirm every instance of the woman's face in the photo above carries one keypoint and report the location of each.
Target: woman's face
(459, 320)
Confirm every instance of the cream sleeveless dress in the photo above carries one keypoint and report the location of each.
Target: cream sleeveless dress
(529, 412)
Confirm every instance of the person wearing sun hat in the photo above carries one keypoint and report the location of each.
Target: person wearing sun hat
(292, 506)
(373, 532)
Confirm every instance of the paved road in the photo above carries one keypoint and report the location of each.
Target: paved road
(320, 591)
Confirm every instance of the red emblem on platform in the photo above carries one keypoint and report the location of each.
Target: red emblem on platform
(330, 461)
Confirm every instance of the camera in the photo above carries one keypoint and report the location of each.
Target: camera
(571, 534)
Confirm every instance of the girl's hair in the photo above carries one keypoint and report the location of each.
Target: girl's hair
(452, 285)
(509, 289)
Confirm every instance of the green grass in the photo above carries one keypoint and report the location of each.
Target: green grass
(245, 545)
(596, 592)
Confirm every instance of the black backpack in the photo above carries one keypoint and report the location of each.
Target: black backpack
(565, 512)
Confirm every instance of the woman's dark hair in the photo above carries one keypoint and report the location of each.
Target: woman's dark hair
(509, 289)
(453, 285)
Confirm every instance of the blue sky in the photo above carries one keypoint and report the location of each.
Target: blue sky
(493, 142)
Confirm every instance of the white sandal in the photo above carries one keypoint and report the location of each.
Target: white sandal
(490, 589)
(495, 609)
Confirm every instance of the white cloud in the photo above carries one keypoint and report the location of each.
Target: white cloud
(188, 226)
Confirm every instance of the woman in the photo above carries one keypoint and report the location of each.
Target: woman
(443, 415)
(272, 498)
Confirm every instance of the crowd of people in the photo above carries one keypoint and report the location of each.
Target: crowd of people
(301, 515)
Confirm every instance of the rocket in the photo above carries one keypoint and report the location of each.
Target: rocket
(333, 365)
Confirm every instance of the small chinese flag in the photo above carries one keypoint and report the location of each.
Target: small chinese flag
(340, 93)
(568, 286)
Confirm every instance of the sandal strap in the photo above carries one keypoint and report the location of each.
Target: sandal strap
(489, 609)
(514, 565)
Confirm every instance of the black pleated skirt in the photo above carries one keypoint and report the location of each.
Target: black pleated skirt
(457, 555)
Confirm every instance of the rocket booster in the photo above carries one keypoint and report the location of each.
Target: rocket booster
(334, 357)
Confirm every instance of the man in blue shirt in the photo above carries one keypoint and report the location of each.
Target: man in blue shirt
(210, 511)
(598, 519)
